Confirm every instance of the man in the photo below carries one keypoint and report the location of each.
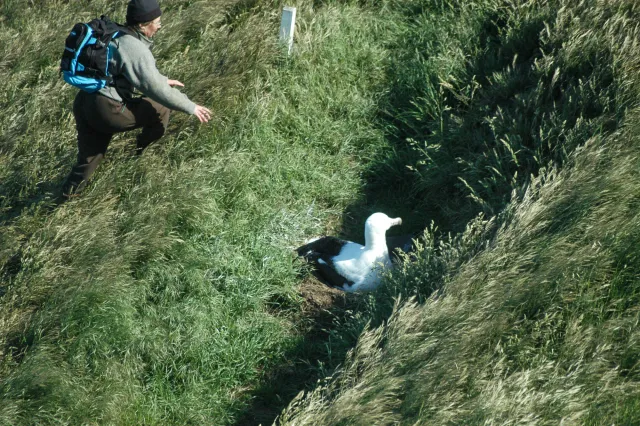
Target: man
(117, 108)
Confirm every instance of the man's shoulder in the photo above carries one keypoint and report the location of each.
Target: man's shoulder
(128, 40)
(130, 45)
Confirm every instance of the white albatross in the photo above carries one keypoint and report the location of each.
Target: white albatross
(350, 266)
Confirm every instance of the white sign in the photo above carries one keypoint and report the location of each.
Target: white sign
(287, 25)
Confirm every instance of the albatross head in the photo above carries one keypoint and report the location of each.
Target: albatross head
(376, 227)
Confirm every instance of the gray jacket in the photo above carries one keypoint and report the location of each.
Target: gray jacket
(134, 67)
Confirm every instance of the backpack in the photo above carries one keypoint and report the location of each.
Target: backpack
(85, 60)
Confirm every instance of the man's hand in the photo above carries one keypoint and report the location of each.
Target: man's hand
(203, 114)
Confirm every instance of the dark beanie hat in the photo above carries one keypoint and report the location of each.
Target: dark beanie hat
(140, 11)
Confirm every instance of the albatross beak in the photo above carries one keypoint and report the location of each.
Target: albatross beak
(396, 221)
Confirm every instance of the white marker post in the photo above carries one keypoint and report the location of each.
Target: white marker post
(287, 26)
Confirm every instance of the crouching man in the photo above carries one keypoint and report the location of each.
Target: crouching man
(139, 97)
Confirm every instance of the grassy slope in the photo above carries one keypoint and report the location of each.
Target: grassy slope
(538, 327)
(535, 322)
(165, 291)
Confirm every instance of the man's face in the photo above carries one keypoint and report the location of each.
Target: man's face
(152, 27)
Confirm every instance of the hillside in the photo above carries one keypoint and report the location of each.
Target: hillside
(503, 132)
(528, 316)
(540, 327)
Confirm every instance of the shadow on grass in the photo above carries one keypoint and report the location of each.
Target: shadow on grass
(488, 146)
(320, 349)
(12, 251)
(463, 143)
(48, 196)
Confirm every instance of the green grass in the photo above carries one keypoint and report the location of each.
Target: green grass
(503, 131)
(167, 291)
(532, 330)
(525, 112)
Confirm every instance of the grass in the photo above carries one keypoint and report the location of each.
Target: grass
(501, 131)
(167, 291)
(526, 314)
(519, 334)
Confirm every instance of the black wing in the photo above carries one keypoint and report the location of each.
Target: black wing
(323, 247)
(329, 275)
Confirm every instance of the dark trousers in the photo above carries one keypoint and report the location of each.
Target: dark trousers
(98, 118)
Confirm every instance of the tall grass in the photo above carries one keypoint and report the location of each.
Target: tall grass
(486, 93)
(528, 316)
(539, 328)
(166, 292)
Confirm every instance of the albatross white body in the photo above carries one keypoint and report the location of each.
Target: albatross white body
(362, 266)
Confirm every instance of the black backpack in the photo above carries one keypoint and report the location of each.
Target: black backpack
(85, 60)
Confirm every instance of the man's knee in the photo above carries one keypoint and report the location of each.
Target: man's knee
(164, 113)
(158, 115)
(154, 131)
(155, 127)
